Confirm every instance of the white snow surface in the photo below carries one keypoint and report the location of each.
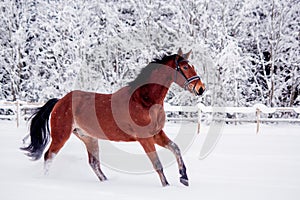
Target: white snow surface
(243, 165)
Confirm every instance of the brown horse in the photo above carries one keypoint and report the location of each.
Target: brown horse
(133, 113)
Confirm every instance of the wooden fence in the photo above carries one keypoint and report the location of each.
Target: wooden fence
(20, 110)
(230, 114)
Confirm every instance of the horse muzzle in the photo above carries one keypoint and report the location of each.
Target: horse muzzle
(200, 91)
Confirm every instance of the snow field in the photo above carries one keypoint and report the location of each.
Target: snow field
(243, 165)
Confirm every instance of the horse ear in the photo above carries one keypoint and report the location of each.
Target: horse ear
(180, 52)
(187, 55)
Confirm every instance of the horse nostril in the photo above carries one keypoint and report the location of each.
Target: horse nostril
(201, 90)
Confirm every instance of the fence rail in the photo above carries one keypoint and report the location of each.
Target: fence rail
(257, 110)
(18, 112)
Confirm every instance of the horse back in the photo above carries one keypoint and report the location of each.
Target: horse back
(92, 113)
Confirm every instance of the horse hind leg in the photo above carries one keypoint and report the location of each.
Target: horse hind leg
(61, 128)
(59, 136)
(92, 147)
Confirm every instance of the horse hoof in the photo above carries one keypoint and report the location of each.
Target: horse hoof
(102, 178)
(184, 181)
(165, 184)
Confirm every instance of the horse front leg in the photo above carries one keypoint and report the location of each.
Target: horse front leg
(172, 146)
(148, 145)
(162, 140)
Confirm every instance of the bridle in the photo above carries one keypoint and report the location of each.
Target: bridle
(187, 80)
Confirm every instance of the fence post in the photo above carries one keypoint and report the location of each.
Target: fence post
(257, 119)
(199, 119)
(18, 113)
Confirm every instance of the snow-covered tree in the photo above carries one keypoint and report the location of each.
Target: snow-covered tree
(246, 52)
(272, 40)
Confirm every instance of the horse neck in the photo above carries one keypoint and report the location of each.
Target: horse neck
(155, 90)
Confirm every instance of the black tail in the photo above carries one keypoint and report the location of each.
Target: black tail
(39, 130)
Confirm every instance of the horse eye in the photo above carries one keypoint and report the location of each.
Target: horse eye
(185, 67)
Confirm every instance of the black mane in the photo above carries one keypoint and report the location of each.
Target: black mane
(146, 71)
(163, 59)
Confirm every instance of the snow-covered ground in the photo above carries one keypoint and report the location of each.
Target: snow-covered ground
(243, 165)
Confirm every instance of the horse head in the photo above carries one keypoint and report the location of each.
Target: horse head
(185, 75)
